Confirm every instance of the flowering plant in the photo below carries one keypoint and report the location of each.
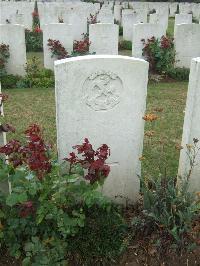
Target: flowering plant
(4, 56)
(92, 19)
(49, 201)
(160, 53)
(57, 49)
(36, 19)
(82, 47)
(93, 161)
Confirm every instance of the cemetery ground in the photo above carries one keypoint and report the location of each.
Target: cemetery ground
(142, 242)
(167, 100)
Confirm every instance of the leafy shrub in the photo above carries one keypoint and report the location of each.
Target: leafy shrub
(34, 38)
(81, 47)
(101, 239)
(34, 41)
(125, 45)
(36, 18)
(169, 208)
(57, 50)
(4, 56)
(160, 54)
(36, 77)
(10, 81)
(179, 73)
(51, 203)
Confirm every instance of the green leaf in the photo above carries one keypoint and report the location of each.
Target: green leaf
(14, 198)
(26, 261)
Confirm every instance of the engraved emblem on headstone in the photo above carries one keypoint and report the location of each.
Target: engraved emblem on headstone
(102, 90)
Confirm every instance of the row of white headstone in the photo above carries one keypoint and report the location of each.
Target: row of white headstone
(20, 12)
(104, 40)
(107, 106)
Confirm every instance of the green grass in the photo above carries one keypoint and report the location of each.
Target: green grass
(170, 30)
(159, 151)
(39, 55)
(26, 106)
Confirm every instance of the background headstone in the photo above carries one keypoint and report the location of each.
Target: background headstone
(191, 128)
(104, 38)
(14, 36)
(187, 43)
(61, 32)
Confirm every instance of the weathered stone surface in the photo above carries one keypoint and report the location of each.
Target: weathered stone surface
(183, 19)
(187, 43)
(145, 31)
(103, 98)
(14, 36)
(191, 128)
(61, 32)
(104, 38)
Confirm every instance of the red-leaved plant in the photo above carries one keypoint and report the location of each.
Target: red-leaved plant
(82, 47)
(57, 49)
(4, 56)
(34, 154)
(93, 161)
(92, 19)
(160, 53)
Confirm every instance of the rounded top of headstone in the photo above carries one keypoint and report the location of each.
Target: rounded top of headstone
(94, 57)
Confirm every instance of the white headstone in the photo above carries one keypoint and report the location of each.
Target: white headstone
(126, 12)
(183, 19)
(105, 17)
(117, 13)
(191, 128)
(160, 18)
(104, 38)
(103, 98)
(129, 21)
(145, 31)
(79, 25)
(187, 43)
(61, 32)
(14, 36)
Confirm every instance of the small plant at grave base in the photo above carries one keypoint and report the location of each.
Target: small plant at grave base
(160, 54)
(92, 19)
(125, 45)
(81, 47)
(4, 56)
(36, 77)
(57, 50)
(169, 209)
(53, 207)
(34, 40)
(60, 20)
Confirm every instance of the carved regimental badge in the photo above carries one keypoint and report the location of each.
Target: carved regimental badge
(102, 90)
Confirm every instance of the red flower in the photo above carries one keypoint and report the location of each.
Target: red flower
(26, 209)
(35, 14)
(3, 97)
(93, 161)
(37, 29)
(34, 154)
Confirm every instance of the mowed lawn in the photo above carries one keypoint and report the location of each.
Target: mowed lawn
(27, 106)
